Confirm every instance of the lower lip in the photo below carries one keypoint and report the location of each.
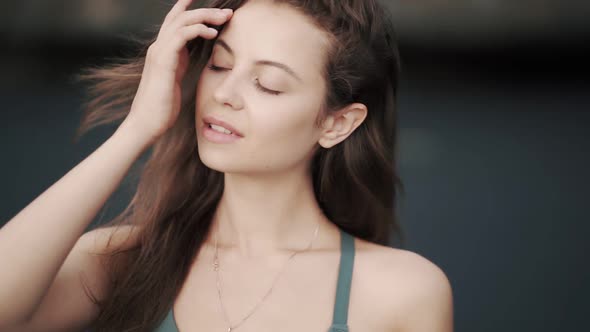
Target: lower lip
(217, 137)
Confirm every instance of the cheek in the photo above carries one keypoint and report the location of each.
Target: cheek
(201, 88)
(202, 93)
(283, 117)
(288, 131)
(289, 118)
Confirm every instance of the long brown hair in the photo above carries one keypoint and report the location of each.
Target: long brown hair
(355, 182)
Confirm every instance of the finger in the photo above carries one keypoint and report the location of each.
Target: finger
(178, 8)
(184, 34)
(201, 15)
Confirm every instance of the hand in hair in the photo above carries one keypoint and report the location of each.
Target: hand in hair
(156, 104)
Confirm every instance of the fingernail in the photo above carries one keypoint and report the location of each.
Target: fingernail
(227, 10)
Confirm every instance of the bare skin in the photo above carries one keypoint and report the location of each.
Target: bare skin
(392, 290)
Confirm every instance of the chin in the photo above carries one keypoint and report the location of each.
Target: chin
(221, 166)
(224, 162)
(218, 159)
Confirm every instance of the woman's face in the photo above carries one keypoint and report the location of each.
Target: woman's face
(278, 128)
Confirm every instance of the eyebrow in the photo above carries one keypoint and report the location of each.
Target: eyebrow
(282, 66)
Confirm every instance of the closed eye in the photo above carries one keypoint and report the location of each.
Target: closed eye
(258, 86)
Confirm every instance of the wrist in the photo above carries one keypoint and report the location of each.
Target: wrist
(134, 134)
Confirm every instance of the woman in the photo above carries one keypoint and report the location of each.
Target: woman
(267, 201)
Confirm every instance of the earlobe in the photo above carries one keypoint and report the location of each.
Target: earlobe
(326, 142)
(328, 134)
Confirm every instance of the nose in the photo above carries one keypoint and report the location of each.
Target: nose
(227, 92)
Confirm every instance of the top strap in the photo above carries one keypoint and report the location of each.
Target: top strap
(340, 318)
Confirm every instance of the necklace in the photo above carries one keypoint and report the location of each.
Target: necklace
(216, 268)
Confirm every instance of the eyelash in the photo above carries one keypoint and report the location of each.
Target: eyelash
(258, 86)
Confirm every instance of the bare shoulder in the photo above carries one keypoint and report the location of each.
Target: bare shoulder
(95, 243)
(415, 293)
(90, 251)
(104, 239)
(69, 303)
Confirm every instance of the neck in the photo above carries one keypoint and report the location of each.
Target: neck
(265, 216)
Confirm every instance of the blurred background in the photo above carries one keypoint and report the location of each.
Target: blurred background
(494, 115)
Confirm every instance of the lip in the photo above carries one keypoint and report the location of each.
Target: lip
(212, 120)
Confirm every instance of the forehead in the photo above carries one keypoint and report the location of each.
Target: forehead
(262, 30)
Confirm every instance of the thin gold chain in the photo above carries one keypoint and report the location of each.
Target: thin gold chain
(216, 268)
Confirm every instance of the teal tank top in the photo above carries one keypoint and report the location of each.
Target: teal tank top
(340, 315)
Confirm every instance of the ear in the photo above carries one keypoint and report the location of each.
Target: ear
(337, 126)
